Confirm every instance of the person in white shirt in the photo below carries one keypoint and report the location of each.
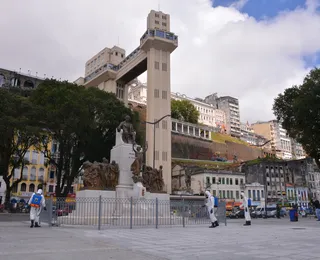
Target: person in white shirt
(37, 203)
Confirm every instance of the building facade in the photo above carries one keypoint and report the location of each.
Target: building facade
(256, 192)
(285, 147)
(248, 135)
(34, 175)
(9, 78)
(230, 106)
(224, 184)
(283, 180)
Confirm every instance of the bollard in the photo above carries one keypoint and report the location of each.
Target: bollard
(157, 213)
(99, 217)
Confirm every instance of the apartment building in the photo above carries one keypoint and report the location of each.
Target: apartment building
(230, 106)
(248, 135)
(285, 147)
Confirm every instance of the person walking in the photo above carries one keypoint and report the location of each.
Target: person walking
(210, 206)
(278, 209)
(246, 209)
(316, 204)
(37, 203)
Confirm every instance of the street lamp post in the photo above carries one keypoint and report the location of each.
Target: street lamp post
(154, 135)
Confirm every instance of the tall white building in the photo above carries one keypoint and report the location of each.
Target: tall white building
(230, 106)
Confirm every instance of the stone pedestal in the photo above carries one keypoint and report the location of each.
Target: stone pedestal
(123, 154)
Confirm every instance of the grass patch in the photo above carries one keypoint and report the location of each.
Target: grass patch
(266, 159)
(222, 138)
(204, 164)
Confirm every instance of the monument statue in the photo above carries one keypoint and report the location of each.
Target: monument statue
(100, 175)
(128, 133)
(152, 179)
(138, 164)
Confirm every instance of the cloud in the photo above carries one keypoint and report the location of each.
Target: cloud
(220, 49)
(239, 4)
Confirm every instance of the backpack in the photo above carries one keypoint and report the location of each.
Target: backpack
(36, 200)
(249, 202)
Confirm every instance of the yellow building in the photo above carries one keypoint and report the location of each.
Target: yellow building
(34, 175)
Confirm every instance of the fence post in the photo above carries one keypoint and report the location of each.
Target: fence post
(183, 213)
(157, 212)
(100, 212)
(131, 211)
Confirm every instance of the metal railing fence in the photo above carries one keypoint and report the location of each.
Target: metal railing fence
(130, 212)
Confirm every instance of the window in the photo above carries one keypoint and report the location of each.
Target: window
(164, 24)
(241, 181)
(164, 66)
(50, 188)
(33, 174)
(157, 155)
(41, 158)
(227, 181)
(27, 156)
(164, 156)
(223, 181)
(228, 194)
(224, 194)
(31, 187)
(157, 124)
(156, 15)
(120, 91)
(230, 181)
(214, 192)
(122, 55)
(164, 94)
(156, 22)
(41, 174)
(249, 193)
(213, 180)
(164, 124)
(237, 194)
(156, 65)
(237, 182)
(156, 93)
(207, 181)
(23, 187)
(51, 174)
(231, 194)
(262, 195)
(116, 53)
(25, 173)
(164, 17)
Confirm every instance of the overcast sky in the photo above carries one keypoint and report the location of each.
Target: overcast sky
(236, 48)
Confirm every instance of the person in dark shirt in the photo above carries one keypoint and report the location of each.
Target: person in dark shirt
(316, 204)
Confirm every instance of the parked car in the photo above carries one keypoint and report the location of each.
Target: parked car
(237, 214)
(59, 212)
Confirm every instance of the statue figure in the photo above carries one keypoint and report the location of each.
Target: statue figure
(152, 179)
(100, 175)
(138, 164)
(113, 174)
(128, 133)
(188, 173)
(91, 177)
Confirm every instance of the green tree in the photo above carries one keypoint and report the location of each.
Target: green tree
(82, 121)
(298, 109)
(19, 131)
(184, 110)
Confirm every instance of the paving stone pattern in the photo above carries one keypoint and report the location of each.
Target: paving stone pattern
(265, 239)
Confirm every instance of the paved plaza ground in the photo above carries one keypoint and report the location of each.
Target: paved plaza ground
(265, 239)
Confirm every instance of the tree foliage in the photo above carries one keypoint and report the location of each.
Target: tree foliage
(82, 121)
(184, 110)
(298, 109)
(19, 131)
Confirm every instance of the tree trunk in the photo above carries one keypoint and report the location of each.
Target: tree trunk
(8, 196)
